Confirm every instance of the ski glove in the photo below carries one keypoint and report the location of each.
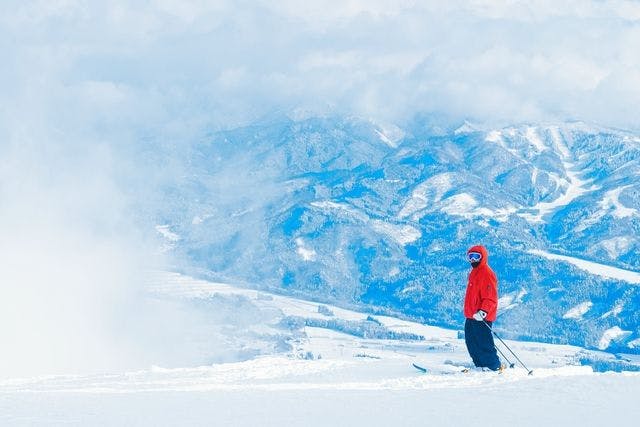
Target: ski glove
(480, 315)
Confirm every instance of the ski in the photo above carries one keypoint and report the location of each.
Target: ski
(498, 371)
(420, 368)
(425, 370)
(460, 369)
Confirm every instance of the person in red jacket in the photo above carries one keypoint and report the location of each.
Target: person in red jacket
(480, 307)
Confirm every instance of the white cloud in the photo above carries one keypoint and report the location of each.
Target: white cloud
(227, 62)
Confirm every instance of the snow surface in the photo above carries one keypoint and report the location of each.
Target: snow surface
(460, 205)
(612, 334)
(572, 186)
(384, 138)
(305, 253)
(634, 343)
(388, 133)
(170, 238)
(611, 203)
(341, 208)
(533, 137)
(593, 267)
(575, 187)
(426, 194)
(403, 234)
(509, 301)
(166, 232)
(578, 311)
(616, 246)
(330, 377)
(617, 309)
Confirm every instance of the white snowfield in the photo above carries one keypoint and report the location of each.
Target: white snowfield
(330, 378)
(578, 311)
(602, 270)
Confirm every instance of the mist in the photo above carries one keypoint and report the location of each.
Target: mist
(68, 260)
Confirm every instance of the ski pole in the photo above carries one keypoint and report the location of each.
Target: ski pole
(511, 365)
(503, 343)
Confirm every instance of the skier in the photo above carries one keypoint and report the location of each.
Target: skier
(480, 306)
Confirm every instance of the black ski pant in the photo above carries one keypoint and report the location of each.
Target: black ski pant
(479, 340)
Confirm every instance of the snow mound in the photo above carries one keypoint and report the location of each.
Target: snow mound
(578, 311)
(610, 335)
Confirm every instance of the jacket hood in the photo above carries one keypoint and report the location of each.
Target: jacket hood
(482, 250)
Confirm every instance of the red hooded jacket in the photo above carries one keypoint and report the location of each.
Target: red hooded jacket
(482, 288)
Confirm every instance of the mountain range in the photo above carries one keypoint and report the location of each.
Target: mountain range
(358, 213)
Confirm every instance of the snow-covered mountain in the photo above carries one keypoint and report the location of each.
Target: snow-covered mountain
(357, 213)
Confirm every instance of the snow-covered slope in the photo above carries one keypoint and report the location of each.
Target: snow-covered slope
(328, 209)
(327, 365)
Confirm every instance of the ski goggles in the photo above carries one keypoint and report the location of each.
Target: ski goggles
(474, 256)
